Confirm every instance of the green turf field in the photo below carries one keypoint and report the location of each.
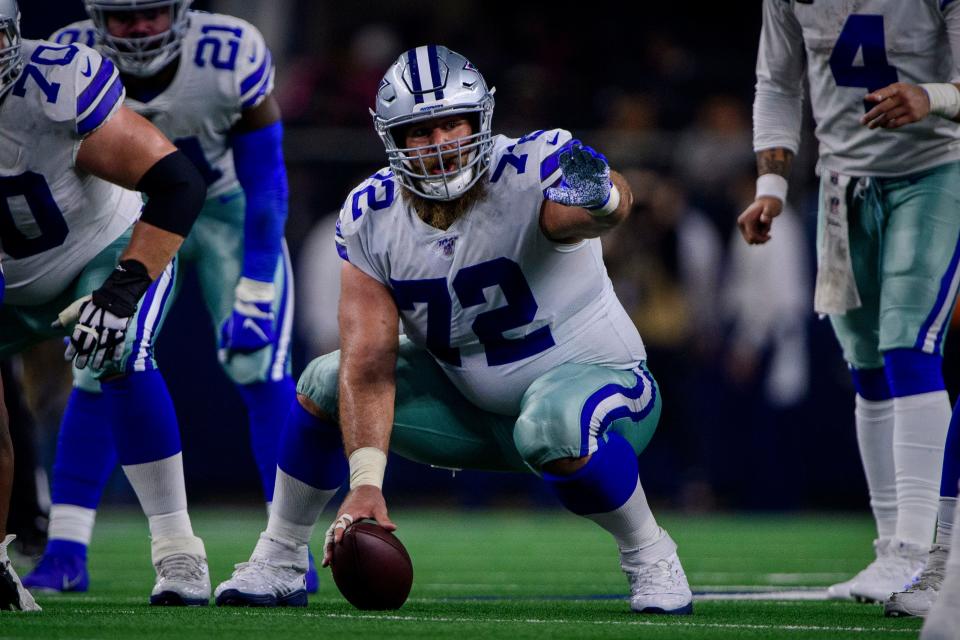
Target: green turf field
(497, 575)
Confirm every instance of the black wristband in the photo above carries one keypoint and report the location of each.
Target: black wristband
(121, 292)
(175, 192)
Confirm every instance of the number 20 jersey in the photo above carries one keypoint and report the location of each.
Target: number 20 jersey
(54, 218)
(853, 47)
(225, 68)
(494, 300)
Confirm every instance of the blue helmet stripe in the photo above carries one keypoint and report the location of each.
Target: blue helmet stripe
(415, 75)
(435, 71)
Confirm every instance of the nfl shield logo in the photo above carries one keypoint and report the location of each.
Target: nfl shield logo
(446, 246)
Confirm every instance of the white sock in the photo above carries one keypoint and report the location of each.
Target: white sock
(171, 525)
(632, 523)
(945, 513)
(159, 484)
(295, 509)
(70, 522)
(874, 420)
(919, 434)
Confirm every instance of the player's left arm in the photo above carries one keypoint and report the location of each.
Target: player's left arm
(903, 103)
(590, 199)
(257, 141)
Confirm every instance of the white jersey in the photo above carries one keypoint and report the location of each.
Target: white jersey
(851, 48)
(496, 303)
(54, 218)
(225, 68)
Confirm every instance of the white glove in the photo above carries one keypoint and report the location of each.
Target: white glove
(98, 336)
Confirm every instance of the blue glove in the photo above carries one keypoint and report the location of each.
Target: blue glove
(585, 179)
(250, 326)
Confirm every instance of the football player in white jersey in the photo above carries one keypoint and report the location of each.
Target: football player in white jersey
(881, 76)
(517, 354)
(76, 255)
(205, 80)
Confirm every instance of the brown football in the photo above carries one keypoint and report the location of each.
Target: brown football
(371, 567)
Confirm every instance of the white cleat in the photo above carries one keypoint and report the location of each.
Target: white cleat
(275, 576)
(841, 590)
(917, 600)
(896, 571)
(943, 620)
(183, 578)
(657, 581)
(13, 595)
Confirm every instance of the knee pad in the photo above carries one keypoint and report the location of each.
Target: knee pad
(911, 372)
(319, 382)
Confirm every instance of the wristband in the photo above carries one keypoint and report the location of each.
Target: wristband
(367, 465)
(122, 290)
(613, 201)
(944, 99)
(771, 185)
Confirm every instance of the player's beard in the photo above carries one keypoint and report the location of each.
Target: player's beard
(440, 214)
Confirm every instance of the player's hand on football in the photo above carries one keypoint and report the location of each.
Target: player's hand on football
(756, 220)
(365, 501)
(251, 325)
(896, 105)
(585, 179)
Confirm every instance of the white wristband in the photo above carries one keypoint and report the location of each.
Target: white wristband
(367, 465)
(944, 99)
(611, 205)
(771, 185)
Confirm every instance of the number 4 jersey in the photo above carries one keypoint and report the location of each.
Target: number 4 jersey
(854, 47)
(54, 218)
(225, 68)
(495, 301)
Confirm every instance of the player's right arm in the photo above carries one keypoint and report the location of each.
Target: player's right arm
(368, 319)
(777, 111)
(129, 151)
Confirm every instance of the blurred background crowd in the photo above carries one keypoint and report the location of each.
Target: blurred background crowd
(758, 407)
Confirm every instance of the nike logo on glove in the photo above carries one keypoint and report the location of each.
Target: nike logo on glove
(250, 324)
(69, 584)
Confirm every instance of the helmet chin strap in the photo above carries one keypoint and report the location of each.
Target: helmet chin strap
(441, 186)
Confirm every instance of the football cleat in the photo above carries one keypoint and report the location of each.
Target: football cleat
(917, 600)
(58, 573)
(657, 581)
(13, 596)
(262, 583)
(896, 571)
(275, 576)
(312, 578)
(183, 578)
(841, 590)
(943, 620)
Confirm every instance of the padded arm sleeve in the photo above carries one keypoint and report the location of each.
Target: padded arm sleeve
(778, 101)
(258, 158)
(175, 194)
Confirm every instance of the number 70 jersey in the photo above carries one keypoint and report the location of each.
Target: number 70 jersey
(855, 47)
(494, 300)
(54, 218)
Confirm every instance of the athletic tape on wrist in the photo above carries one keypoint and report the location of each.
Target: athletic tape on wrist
(367, 466)
(611, 205)
(249, 290)
(771, 185)
(944, 99)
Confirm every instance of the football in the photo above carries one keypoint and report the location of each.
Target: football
(371, 567)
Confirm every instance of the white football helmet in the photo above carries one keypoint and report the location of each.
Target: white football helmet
(141, 57)
(426, 83)
(11, 58)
